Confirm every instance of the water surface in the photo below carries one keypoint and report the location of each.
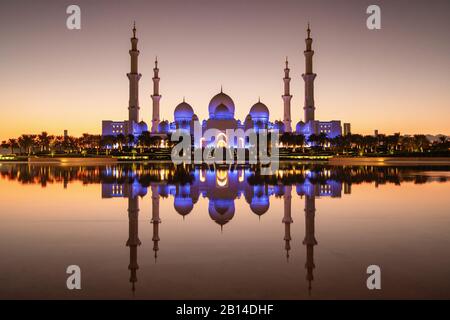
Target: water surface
(158, 232)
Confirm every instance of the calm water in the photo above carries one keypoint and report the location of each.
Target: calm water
(159, 232)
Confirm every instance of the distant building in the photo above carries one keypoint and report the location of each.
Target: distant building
(347, 129)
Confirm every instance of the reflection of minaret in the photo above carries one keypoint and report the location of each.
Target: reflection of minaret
(134, 76)
(310, 240)
(287, 99)
(133, 238)
(155, 220)
(309, 77)
(287, 219)
(155, 97)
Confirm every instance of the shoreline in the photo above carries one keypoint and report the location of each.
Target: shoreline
(373, 161)
(386, 161)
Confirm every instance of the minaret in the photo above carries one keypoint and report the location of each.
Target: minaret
(133, 237)
(287, 99)
(287, 219)
(134, 76)
(309, 77)
(310, 239)
(155, 220)
(155, 97)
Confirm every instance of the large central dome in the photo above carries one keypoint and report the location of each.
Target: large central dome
(221, 106)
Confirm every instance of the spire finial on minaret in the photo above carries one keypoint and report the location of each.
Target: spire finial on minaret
(134, 29)
(287, 62)
(184, 100)
(156, 62)
(259, 99)
(221, 88)
(309, 31)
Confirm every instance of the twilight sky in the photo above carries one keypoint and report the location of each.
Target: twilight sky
(396, 79)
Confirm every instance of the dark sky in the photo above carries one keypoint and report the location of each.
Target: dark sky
(396, 79)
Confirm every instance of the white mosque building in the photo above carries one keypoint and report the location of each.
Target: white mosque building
(222, 109)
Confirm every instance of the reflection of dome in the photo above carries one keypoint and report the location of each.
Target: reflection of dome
(221, 210)
(183, 206)
(163, 191)
(259, 203)
(260, 206)
(226, 106)
(183, 111)
(259, 111)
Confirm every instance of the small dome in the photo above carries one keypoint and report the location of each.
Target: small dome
(279, 125)
(163, 127)
(194, 117)
(183, 111)
(221, 99)
(259, 111)
(299, 127)
(142, 126)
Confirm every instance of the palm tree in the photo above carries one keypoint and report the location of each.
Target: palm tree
(421, 142)
(407, 143)
(285, 139)
(443, 139)
(13, 144)
(96, 141)
(44, 141)
(27, 142)
(356, 140)
(121, 140)
(58, 143)
(107, 141)
(313, 139)
(322, 139)
(145, 139)
(5, 145)
(131, 140)
(300, 140)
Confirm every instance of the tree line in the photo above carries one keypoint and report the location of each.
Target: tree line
(45, 143)
(367, 144)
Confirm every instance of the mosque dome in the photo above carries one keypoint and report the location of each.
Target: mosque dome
(222, 112)
(163, 127)
(259, 111)
(226, 106)
(299, 127)
(194, 117)
(279, 125)
(183, 111)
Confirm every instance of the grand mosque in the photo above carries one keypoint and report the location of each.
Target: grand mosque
(222, 110)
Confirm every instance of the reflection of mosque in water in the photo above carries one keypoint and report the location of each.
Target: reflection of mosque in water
(221, 188)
